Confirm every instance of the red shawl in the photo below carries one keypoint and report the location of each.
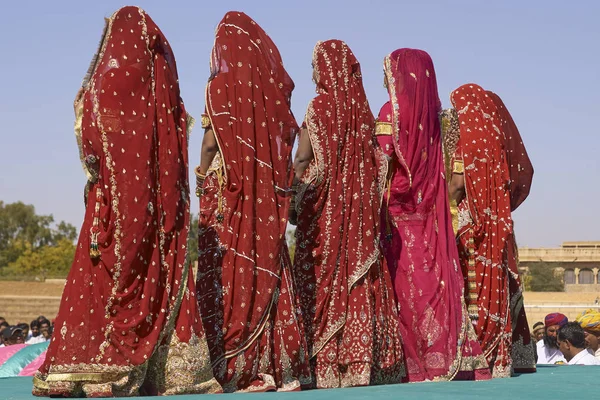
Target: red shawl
(520, 169)
(485, 223)
(520, 172)
(420, 247)
(128, 317)
(244, 282)
(482, 146)
(338, 264)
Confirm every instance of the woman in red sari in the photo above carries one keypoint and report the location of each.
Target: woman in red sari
(491, 177)
(439, 341)
(244, 282)
(345, 289)
(128, 323)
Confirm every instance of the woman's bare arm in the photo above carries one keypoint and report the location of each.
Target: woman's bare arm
(457, 188)
(209, 150)
(304, 154)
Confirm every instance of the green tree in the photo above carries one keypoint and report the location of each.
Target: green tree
(192, 242)
(19, 221)
(51, 261)
(526, 280)
(290, 236)
(543, 278)
(23, 232)
(65, 230)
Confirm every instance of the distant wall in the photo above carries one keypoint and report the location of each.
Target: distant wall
(540, 304)
(583, 288)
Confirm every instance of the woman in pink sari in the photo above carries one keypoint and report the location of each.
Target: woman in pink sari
(439, 341)
(345, 289)
(128, 322)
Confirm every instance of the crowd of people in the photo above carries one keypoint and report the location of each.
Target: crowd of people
(562, 342)
(38, 331)
(405, 268)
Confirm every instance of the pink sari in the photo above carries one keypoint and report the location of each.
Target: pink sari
(439, 340)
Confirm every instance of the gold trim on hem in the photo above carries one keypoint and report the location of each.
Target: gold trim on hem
(97, 377)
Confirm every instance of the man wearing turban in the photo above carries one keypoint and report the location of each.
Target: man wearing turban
(547, 348)
(590, 322)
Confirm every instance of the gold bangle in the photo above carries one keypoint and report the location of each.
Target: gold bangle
(198, 173)
(205, 120)
(458, 167)
(199, 187)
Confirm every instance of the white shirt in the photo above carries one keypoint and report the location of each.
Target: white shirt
(35, 340)
(548, 356)
(584, 358)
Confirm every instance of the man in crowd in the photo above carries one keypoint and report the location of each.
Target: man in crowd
(46, 329)
(3, 325)
(12, 335)
(24, 329)
(547, 348)
(538, 331)
(36, 334)
(571, 341)
(590, 322)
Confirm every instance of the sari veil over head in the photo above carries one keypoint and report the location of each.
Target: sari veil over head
(244, 283)
(485, 227)
(128, 322)
(345, 289)
(520, 169)
(439, 341)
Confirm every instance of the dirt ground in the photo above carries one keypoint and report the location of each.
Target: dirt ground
(12, 288)
(33, 289)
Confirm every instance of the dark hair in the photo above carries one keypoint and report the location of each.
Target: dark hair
(537, 324)
(34, 323)
(573, 332)
(45, 321)
(23, 326)
(4, 324)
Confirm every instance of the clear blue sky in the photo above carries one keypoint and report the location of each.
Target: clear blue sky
(541, 57)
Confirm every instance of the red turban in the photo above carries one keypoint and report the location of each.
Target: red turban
(556, 319)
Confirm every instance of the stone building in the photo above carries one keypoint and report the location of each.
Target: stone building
(577, 262)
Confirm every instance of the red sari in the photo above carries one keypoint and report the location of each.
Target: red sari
(128, 323)
(485, 229)
(520, 172)
(244, 284)
(439, 341)
(345, 289)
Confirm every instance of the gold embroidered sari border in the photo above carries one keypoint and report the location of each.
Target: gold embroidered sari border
(383, 128)
(110, 375)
